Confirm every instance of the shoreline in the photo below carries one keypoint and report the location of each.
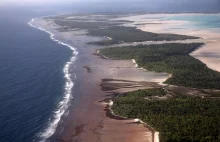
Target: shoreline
(210, 36)
(63, 104)
(99, 69)
(111, 114)
(98, 66)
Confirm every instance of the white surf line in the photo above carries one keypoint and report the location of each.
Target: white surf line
(63, 105)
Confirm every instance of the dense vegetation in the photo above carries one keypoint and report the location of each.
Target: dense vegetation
(171, 58)
(130, 34)
(181, 118)
(83, 24)
(103, 27)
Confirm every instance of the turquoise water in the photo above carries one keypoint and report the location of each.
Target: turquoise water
(197, 21)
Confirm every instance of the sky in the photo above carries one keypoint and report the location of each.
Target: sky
(123, 5)
(34, 2)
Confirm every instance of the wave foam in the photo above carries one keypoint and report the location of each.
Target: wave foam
(63, 105)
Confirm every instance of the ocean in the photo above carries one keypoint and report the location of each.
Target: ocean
(35, 85)
(197, 21)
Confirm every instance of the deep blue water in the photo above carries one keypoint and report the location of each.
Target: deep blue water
(31, 78)
(31, 71)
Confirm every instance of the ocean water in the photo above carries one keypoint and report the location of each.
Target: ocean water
(35, 85)
(198, 21)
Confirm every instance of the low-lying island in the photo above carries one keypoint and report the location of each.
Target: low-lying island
(164, 94)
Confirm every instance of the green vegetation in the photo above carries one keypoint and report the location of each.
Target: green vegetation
(130, 34)
(171, 58)
(103, 27)
(179, 118)
(104, 42)
(82, 25)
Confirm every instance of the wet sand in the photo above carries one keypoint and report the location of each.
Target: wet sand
(87, 119)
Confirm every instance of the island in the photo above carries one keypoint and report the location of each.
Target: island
(136, 85)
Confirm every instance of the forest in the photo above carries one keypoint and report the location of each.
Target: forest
(178, 118)
(171, 58)
(83, 25)
(113, 29)
(120, 34)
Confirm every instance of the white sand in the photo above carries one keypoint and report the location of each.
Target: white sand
(208, 54)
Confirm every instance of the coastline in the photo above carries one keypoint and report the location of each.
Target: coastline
(76, 123)
(109, 103)
(63, 105)
(210, 37)
(91, 122)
